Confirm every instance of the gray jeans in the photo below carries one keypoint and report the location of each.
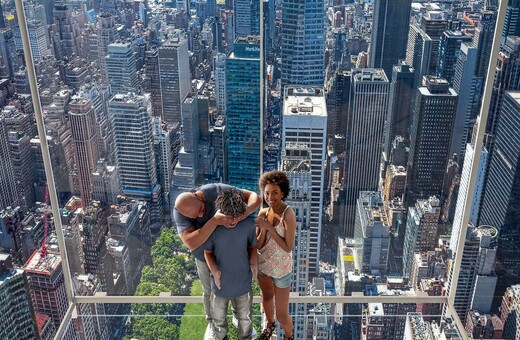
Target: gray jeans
(241, 309)
(204, 276)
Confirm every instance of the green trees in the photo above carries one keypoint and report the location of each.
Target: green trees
(172, 270)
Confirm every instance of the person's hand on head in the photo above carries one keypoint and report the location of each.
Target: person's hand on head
(225, 220)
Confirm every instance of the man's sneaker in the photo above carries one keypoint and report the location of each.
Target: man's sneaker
(210, 333)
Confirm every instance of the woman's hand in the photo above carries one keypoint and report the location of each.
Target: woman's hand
(263, 223)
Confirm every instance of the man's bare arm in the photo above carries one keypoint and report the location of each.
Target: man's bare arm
(253, 260)
(253, 203)
(194, 238)
(209, 256)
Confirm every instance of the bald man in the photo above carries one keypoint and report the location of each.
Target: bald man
(196, 217)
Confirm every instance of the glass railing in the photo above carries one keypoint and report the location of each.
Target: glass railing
(319, 320)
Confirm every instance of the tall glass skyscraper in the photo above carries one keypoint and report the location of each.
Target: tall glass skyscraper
(302, 42)
(243, 113)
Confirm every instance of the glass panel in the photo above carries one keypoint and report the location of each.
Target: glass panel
(310, 321)
(373, 121)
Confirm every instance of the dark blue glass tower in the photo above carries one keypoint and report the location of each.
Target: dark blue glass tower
(243, 113)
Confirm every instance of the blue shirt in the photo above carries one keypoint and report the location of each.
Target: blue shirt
(230, 247)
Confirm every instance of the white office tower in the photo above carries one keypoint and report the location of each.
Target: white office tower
(305, 122)
(38, 39)
(131, 120)
(372, 231)
(477, 277)
(464, 187)
(220, 82)
(296, 163)
(121, 68)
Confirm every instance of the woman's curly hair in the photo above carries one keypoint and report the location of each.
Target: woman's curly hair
(275, 177)
(231, 202)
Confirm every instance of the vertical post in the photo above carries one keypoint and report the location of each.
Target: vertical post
(484, 111)
(262, 85)
(35, 97)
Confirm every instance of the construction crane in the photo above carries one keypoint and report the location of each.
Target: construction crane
(43, 249)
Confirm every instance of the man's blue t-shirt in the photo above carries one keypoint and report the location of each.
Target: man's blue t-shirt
(230, 247)
(183, 223)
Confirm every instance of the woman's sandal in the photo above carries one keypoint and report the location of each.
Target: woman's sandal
(268, 331)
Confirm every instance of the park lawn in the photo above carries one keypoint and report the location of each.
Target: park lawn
(193, 323)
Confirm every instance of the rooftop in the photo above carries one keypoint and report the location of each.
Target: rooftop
(42, 265)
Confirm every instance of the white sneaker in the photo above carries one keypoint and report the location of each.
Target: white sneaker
(210, 333)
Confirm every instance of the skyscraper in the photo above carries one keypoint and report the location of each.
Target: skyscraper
(19, 128)
(367, 111)
(133, 138)
(47, 285)
(483, 39)
(296, 163)
(418, 53)
(302, 36)
(390, 27)
(38, 37)
(121, 68)
(464, 187)
(220, 82)
(434, 111)
(434, 23)
(501, 201)
(305, 122)
(510, 312)
(449, 49)
(512, 20)
(507, 78)
(16, 312)
(243, 113)
(477, 278)
(9, 195)
(152, 80)
(372, 231)
(421, 230)
(64, 33)
(84, 134)
(247, 14)
(468, 85)
(400, 97)
(174, 74)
